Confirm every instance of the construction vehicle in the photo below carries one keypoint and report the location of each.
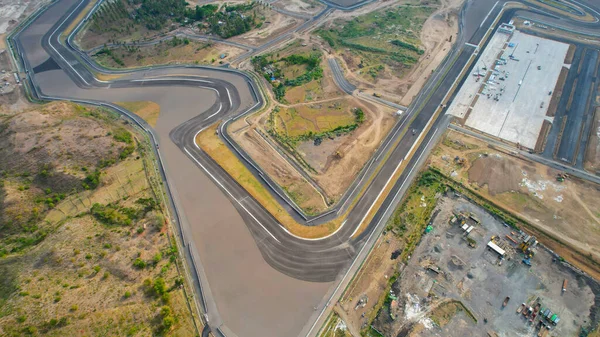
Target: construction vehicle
(519, 309)
(505, 301)
(561, 177)
(459, 161)
(527, 261)
(376, 95)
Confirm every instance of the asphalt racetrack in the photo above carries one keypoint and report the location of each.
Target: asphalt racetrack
(256, 279)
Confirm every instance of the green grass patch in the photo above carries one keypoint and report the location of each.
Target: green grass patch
(389, 37)
(280, 71)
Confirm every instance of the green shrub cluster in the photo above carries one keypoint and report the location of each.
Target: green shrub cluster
(111, 214)
(92, 180)
(314, 71)
(408, 46)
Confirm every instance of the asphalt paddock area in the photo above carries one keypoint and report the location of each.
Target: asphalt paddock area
(445, 268)
(510, 89)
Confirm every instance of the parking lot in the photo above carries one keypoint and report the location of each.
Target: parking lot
(510, 88)
(455, 263)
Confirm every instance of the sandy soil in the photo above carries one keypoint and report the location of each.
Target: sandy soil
(274, 25)
(370, 281)
(348, 159)
(13, 12)
(336, 161)
(148, 110)
(279, 169)
(310, 7)
(530, 190)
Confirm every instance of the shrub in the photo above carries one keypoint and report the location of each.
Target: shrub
(160, 287)
(123, 136)
(110, 214)
(139, 263)
(92, 180)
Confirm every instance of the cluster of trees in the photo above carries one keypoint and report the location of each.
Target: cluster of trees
(109, 52)
(154, 14)
(314, 71)
(229, 21)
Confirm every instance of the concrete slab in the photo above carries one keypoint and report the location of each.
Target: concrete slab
(511, 101)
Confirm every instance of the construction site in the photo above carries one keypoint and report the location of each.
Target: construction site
(474, 275)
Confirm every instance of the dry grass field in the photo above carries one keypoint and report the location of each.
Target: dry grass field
(85, 248)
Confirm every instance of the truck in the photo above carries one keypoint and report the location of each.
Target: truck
(564, 287)
(506, 301)
(519, 309)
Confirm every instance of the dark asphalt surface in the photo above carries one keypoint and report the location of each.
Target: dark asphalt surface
(578, 116)
(311, 260)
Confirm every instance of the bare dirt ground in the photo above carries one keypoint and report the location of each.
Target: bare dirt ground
(435, 40)
(370, 282)
(345, 162)
(530, 190)
(310, 7)
(12, 12)
(274, 25)
(450, 288)
(592, 156)
(279, 169)
(337, 162)
(166, 53)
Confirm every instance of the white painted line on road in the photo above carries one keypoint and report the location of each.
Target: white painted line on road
(226, 190)
(488, 14)
(170, 79)
(220, 106)
(420, 135)
(375, 201)
(229, 96)
(471, 45)
(51, 46)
